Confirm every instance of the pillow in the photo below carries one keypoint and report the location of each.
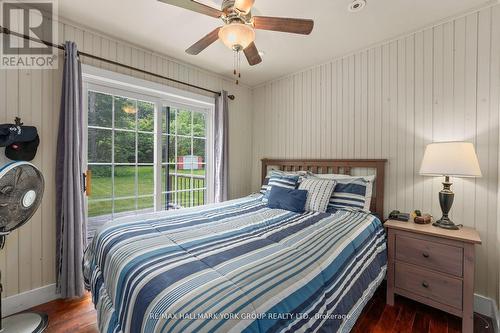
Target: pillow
(287, 198)
(350, 191)
(301, 174)
(278, 178)
(319, 192)
(263, 188)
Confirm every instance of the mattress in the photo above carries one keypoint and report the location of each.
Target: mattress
(237, 266)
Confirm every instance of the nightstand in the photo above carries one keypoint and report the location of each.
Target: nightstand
(433, 266)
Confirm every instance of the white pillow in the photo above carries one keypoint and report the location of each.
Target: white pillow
(319, 192)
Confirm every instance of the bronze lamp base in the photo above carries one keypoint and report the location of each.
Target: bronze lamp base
(446, 197)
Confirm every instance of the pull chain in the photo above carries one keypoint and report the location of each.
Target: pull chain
(234, 62)
(237, 65)
(239, 71)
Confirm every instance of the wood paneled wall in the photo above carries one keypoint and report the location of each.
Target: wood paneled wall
(389, 101)
(28, 261)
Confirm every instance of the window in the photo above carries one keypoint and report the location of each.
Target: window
(147, 147)
(120, 154)
(184, 158)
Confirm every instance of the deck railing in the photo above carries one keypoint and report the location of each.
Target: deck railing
(190, 191)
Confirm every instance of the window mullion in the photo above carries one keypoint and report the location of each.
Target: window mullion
(158, 157)
(113, 157)
(136, 156)
(175, 155)
(191, 183)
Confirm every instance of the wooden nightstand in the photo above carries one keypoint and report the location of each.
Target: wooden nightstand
(433, 266)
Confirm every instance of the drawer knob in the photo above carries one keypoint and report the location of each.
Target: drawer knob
(425, 284)
(425, 255)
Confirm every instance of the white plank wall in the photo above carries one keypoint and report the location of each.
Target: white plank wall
(389, 101)
(28, 261)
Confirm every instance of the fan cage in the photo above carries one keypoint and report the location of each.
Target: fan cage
(16, 180)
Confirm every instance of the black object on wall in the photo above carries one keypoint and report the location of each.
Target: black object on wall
(23, 151)
(21, 141)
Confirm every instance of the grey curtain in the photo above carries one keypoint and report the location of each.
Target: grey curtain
(221, 150)
(70, 209)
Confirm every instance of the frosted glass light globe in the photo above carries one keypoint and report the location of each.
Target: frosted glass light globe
(237, 36)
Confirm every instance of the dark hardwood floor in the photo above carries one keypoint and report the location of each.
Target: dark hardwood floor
(405, 316)
(409, 316)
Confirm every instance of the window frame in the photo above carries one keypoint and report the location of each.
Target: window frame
(162, 96)
(209, 153)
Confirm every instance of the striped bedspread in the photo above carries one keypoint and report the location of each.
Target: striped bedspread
(233, 267)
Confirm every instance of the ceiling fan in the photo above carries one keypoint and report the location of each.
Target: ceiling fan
(238, 32)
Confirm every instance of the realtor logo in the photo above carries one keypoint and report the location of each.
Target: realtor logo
(36, 20)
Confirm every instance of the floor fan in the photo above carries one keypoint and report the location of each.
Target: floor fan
(21, 192)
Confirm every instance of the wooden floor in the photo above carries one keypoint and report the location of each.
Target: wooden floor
(409, 316)
(405, 316)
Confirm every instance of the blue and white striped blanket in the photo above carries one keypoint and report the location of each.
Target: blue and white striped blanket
(233, 267)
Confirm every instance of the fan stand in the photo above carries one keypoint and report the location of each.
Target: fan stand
(25, 322)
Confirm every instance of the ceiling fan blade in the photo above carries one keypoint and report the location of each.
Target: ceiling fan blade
(283, 24)
(203, 43)
(252, 54)
(195, 7)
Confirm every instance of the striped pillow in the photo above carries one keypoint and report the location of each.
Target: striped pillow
(351, 193)
(319, 192)
(350, 196)
(263, 188)
(278, 178)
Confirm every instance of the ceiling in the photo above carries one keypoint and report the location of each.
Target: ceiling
(170, 30)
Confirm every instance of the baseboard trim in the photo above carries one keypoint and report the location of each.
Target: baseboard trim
(28, 299)
(487, 307)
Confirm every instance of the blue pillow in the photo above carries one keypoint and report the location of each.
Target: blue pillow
(287, 198)
(281, 179)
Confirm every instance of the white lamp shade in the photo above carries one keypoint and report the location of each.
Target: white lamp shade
(456, 159)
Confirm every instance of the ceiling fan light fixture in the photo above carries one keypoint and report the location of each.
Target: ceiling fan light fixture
(237, 36)
(244, 6)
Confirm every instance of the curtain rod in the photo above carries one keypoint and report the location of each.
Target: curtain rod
(112, 62)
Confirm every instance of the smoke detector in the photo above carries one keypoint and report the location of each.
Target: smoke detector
(356, 6)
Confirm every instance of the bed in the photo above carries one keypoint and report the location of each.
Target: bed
(240, 266)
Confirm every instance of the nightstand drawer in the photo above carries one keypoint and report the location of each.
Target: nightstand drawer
(440, 288)
(426, 253)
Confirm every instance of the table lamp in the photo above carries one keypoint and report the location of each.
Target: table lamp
(449, 159)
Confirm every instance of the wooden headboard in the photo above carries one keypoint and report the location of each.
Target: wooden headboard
(335, 166)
